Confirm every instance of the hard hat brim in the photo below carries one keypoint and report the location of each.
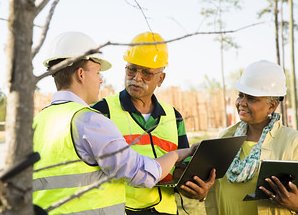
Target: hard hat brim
(104, 64)
(255, 92)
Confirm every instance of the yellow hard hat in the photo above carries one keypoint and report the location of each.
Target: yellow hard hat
(151, 56)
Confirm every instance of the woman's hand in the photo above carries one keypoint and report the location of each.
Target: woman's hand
(287, 198)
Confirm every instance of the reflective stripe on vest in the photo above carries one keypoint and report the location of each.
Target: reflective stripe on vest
(112, 210)
(163, 140)
(53, 140)
(67, 181)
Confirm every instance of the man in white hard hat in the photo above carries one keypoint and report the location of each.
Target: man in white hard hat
(68, 130)
(137, 113)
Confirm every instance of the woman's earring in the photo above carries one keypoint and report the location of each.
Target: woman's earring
(269, 115)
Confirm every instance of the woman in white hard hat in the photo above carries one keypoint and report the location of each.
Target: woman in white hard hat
(261, 88)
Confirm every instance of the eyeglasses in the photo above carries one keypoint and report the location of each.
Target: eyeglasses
(131, 71)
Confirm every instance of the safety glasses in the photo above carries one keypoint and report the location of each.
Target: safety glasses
(131, 71)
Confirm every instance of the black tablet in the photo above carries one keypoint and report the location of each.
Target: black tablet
(285, 171)
(212, 153)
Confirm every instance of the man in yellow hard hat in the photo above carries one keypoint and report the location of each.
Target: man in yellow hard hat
(157, 127)
(69, 130)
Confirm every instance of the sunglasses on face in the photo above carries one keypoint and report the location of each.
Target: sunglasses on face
(132, 71)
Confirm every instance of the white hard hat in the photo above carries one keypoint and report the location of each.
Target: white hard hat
(74, 44)
(263, 78)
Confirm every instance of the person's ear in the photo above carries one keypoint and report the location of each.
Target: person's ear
(162, 77)
(273, 105)
(80, 73)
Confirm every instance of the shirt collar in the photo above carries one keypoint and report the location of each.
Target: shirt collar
(127, 105)
(66, 96)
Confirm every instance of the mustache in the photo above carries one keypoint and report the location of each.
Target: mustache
(138, 84)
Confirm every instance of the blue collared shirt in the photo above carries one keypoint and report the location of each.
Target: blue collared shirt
(95, 135)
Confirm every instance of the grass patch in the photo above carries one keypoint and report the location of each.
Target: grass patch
(2, 136)
(192, 206)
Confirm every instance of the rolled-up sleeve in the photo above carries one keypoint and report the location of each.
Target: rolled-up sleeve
(96, 136)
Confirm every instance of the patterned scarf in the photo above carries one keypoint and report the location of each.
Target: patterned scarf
(244, 170)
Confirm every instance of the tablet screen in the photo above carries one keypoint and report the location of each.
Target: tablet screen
(212, 153)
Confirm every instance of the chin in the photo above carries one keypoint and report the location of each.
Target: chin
(244, 119)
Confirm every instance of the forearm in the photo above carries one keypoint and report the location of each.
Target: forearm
(167, 162)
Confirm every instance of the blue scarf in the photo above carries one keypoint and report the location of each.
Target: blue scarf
(244, 170)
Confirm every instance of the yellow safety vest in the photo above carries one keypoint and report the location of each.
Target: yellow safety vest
(164, 137)
(53, 140)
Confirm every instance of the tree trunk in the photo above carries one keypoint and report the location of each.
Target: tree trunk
(283, 104)
(20, 105)
(292, 57)
(276, 31)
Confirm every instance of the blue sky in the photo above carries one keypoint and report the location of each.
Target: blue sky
(189, 59)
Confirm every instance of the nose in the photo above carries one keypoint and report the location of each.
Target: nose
(100, 78)
(138, 75)
(242, 101)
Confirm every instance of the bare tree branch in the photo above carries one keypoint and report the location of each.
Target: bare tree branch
(135, 141)
(99, 182)
(66, 62)
(132, 5)
(69, 61)
(58, 164)
(40, 6)
(45, 28)
(6, 20)
(143, 15)
(179, 24)
(3, 19)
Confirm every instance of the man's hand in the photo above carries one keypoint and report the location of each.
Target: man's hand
(194, 146)
(197, 189)
(183, 153)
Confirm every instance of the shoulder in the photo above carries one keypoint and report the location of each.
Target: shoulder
(168, 107)
(178, 115)
(100, 105)
(229, 131)
(288, 132)
(86, 118)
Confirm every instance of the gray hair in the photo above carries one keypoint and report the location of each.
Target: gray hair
(274, 99)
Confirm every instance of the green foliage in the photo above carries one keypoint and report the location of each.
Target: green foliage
(215, 7)
(233, 77)
(265, 11)
(211, 84)
(2, 106)
(269, 10)
(228, 42)
(214, 11)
